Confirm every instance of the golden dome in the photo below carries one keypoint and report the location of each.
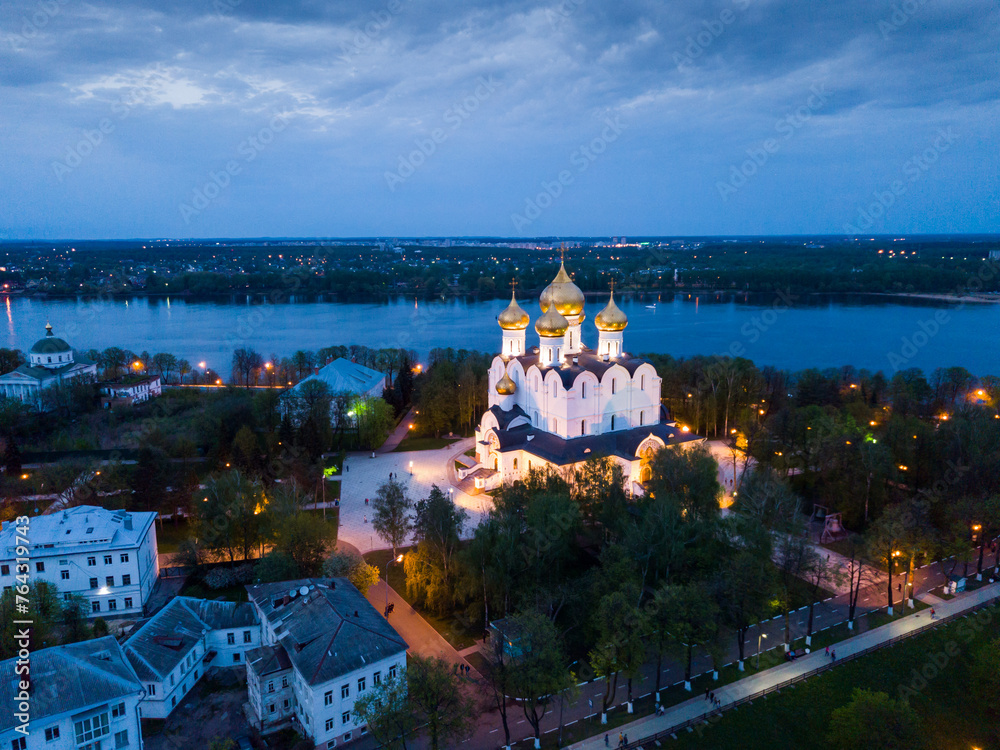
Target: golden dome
(611, 318)
(552, 324)
(513, 318)
(505, 386)
(563, 293)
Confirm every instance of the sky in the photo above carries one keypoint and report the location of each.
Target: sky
(246, 118)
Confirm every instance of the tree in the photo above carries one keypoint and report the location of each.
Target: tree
(620, 646)
(246, 451)
(883, 542)
(228, 514)
(391, 513)
(247, 363)
(437, 526)
(274, 567)
(43, 611)
(875, 721)
(164, 364)
(183, 368)
(350, 565)
(689, 615)
(498, 670)
(374, 419)
(441, 705)
(742, 593)
(151, 476)
(540, 671)
(304, 540)
(12, 457)
(388, 712)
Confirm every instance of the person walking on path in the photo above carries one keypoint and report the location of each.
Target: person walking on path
(606, 744)
(833, 655)
(621, 740)
(933, 612)
(828, 650)
(706, 693)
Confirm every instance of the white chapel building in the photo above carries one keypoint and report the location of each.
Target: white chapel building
(51, 362)
(560, 403)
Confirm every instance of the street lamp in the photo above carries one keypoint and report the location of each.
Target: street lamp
(391, 561)
(759, 637)
(411, 468)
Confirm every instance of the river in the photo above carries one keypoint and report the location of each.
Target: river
(874, 333)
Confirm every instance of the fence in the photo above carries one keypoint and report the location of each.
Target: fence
(704, 718)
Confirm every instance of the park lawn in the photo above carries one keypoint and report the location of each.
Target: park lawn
(450, 628)
(170, 535)
(423, 444)
(800, 717)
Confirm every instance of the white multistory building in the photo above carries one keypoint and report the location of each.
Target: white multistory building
(560, 403)
(171, 651)
(323, 645)
(107, 557)
(82, 696)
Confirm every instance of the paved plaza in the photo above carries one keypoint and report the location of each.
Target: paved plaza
(418, 471)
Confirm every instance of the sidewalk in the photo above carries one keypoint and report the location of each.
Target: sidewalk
(397, 435)
(696, 708)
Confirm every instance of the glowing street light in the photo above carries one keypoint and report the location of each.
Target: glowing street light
(202, 365)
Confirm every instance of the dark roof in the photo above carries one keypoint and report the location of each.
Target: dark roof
(328, 631)
(268, 660)
(41, 373)
(504, 418)
(563, 451)
(586, 361)
(160, 643)
(69, 678)
(50, 345)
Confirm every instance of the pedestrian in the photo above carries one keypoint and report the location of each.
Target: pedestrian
(933, 612)
(706, 693)
(366, 519)
(626, 739)
(606, 743)
(620, 740)
(833, 655)
(827, 650)
(711, 696)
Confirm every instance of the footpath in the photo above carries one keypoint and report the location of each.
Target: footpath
(647, 731)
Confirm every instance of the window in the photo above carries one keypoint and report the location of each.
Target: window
(231, 639)
(40, 567)
(64, 575)
(5, 570)
(107, 559)
(118, 710)
(270, 687)
(236, 658)
(642, 417)
(284, 682)
(95, 606)
(583, 426)
(93, 583)
(536, 384)
(284, 704)
(121, 738)
(329, 724)
(392, 670)
(126, 580)
(124, 557)
(361, 684)
(612, 421)
(112, 604)
(614, 386)
(171, 680)
(91, 561)
(51, 733)
(554, 389)
(246, 636)
(271, 708)
(173, 702)
(345, 691)
(347, 737)
(377, 678)
(345, 718)
(128, 602)
(19, 744)
(110, 581)
(91, 728)
(151, 689)
(642, 382)
(328, 698)
(583, 390)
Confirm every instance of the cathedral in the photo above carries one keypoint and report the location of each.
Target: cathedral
(560, 403)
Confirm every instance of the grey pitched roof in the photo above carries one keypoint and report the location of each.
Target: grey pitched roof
(563, 451)
(69, 678)
(328, 631)
(504, 418)
(44, 373)
(268, 660)
(344, 375)
(586, 361)
(158, 646)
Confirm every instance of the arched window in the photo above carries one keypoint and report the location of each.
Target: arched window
(642, 382)
(642, 416)
(583, 426)
(614, 386)
(583, 389)
(515, 464)
(536, 384)
(612, 418)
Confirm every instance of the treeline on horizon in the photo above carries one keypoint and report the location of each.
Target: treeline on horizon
(920, 266)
